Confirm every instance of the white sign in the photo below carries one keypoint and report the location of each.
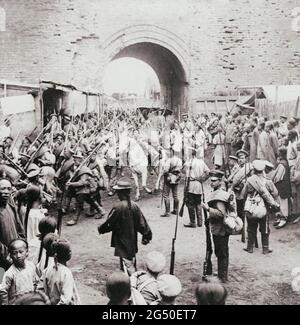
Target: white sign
(17, 104)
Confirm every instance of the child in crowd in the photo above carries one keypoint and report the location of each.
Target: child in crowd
(146, 281)
(37, 251)
(58, 281)
(211, 293)
(21, 277)
(120, 292)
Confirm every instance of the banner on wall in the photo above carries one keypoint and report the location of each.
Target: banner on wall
(17, 104)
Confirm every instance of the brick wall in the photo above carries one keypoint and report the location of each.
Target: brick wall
(230, 42)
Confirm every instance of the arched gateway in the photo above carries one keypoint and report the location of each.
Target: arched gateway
(164, 51)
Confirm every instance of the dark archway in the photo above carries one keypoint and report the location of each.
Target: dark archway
(170, 72)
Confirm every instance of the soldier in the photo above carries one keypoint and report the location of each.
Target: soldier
(25, 145)
(238, 182)
(216, 206)
(125, 221)
(282, 181)
(233, 168)
(187, 130)
(58, 147)
(84, 184)
(63, 174)
(171, 171)
(218, 141)
(10, 150)
(197, 173)
(96, 166)
(256, 187)
(282, 130)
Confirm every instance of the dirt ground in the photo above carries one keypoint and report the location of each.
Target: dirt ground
(254, 279)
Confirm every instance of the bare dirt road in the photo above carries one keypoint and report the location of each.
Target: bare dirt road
(254, 279)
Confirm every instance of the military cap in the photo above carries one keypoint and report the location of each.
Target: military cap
(296, 118)
(9, 137)
(33, 173)
(169, 285)
(24, 155)
(259, 165)
(268, 164)
(59, 134)
(155, 262)
(242, 152)
(233, 158)
(32, 167)
(283, 116)
(67, 117)
(122, 185)
(184, 114)
(216, 174)
(78, 155)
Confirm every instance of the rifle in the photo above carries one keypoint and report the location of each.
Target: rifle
(59, 221)
(186, 188)
(34, 155)
(17, 167)
(207, 265)
(172, 263)
(85, 161)
(34, 141)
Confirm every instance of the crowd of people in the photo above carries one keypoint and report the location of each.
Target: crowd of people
(254, 173)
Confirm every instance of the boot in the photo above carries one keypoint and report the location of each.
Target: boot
(192, 216)
(74, 221)
(100, 210)
(66, 204)
(223, 269)
(175, 210)
(168, 207)
(199, 216)
(265, 244)
(250, 243)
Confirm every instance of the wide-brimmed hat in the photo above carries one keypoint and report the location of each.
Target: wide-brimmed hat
(122, 185)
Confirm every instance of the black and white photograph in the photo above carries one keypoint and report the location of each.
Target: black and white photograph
(149, 154)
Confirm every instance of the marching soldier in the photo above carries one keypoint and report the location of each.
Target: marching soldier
(171, 171)
(216, 207)
(238, 182)
(233, 167)
(187, 130)
(256, 186)
(63, 174)
(84, 184)
(197, 173)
